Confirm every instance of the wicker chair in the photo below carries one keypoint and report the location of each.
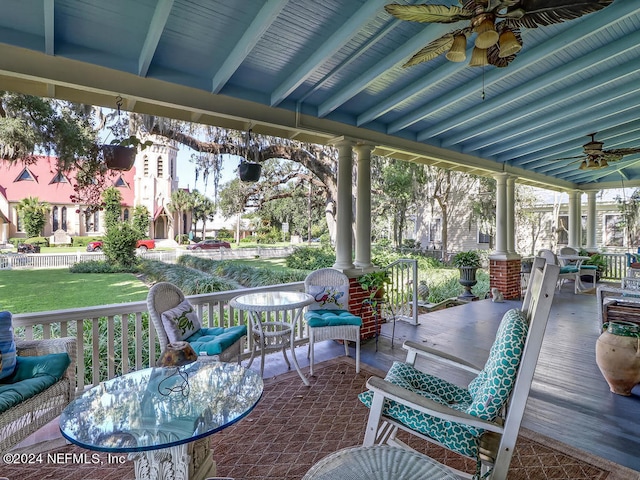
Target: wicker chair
(20, 421)
(165, 296)
(331, 324)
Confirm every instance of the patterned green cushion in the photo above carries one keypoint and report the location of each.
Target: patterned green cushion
(484, 398)
(327, 318)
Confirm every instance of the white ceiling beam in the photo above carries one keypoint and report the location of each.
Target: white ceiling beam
(260, 24)
(577, 68)
(156, 27)
(337, 40)
(426, 36)
(603, 113)
(541, 107)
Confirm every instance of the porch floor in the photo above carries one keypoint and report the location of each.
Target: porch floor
(569, 401)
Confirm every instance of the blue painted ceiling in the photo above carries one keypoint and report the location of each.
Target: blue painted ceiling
(318, 70)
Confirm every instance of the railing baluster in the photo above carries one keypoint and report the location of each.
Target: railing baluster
(111, 351)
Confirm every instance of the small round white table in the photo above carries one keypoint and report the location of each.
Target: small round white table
(379, 462)
(274, 334)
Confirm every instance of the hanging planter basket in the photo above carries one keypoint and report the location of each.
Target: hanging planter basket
(119, 157)
(249, 172)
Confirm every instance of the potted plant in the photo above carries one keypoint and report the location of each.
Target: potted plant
(121, 154)
(468, 263)
(374, 283)
(596, 259)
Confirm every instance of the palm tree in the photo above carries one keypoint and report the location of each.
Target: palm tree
(181, 201)
(34, 215)
(203, 209)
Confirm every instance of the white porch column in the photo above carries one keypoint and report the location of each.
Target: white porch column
(511, 215)
(575, 223)
(592, 244)
(363, 207)
(344, 206)
(501, 214)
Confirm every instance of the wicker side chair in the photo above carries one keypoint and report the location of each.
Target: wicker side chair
(20, 421)
(164, 296)
(334, 323)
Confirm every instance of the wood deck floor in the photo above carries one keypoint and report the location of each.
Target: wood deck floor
(569, 401)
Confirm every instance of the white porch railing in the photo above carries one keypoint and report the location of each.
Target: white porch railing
(116, 339)
(58, 260)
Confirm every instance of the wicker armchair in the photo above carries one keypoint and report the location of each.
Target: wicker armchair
(20, 421)
(339, 324)
(165, 296)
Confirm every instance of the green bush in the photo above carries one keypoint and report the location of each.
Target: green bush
(97, 266)
(120, 245)
(246, 275)
(310, 258)
(182, 239)
(224, 234)
(190, 280)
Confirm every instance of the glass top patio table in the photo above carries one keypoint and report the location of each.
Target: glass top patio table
(161, 407)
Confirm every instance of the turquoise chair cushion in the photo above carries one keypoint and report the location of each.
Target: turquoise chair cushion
(32, 376)
(484, 397)
(7, 345)
(588, 267)
(569, 269)
(327, 318)
(213, 341)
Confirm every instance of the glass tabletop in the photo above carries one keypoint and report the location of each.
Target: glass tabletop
(267, 300)
(161, 407)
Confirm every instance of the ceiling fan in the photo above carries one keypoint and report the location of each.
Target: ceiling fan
(496, 24)
(594, 157)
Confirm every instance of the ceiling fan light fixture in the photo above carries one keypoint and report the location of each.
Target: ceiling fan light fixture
(603, 163)
(478, 57)
(508, 44)
(583, 165)
(457, 52)
(487, 35)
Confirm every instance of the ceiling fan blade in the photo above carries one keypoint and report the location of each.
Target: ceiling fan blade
(540, 13)
(429, 13)
(433, 50)
(581, 157)
(622, 151)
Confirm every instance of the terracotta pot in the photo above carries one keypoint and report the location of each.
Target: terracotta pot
(618, 356)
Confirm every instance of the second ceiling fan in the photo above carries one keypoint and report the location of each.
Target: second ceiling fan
(594, 157)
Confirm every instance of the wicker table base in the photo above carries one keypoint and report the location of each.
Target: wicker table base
(379, 462)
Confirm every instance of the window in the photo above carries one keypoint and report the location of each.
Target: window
(120, 182)
(96, 221)
(59, 178)
(64, 218)
(125, 215)
(19, 222)
(563, 229)
(25, 175)
(613, 230)
(171, 168)
(146, 166)
(160, 168)
(484, 237)
(54, 220)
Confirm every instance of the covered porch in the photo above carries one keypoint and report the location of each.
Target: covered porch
(569, 401)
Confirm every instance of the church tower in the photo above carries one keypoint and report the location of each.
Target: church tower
(155, 179)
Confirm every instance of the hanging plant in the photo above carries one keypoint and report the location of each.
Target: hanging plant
(249, 171)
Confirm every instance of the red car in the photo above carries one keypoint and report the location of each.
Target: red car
(209, 245)
(142, 245)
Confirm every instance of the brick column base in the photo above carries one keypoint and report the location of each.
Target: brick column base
(505, 276)
(356, 306)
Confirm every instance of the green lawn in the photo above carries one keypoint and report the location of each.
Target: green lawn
(27, 291)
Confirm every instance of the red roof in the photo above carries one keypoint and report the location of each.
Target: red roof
(18, 181)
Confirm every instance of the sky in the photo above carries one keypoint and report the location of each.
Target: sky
(187, 175)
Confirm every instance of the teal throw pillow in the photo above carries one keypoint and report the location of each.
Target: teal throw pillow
(52, 365)
(7, 345)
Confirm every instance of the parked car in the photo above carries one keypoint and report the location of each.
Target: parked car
(209, 245)
(142, 245)
(28, 248)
